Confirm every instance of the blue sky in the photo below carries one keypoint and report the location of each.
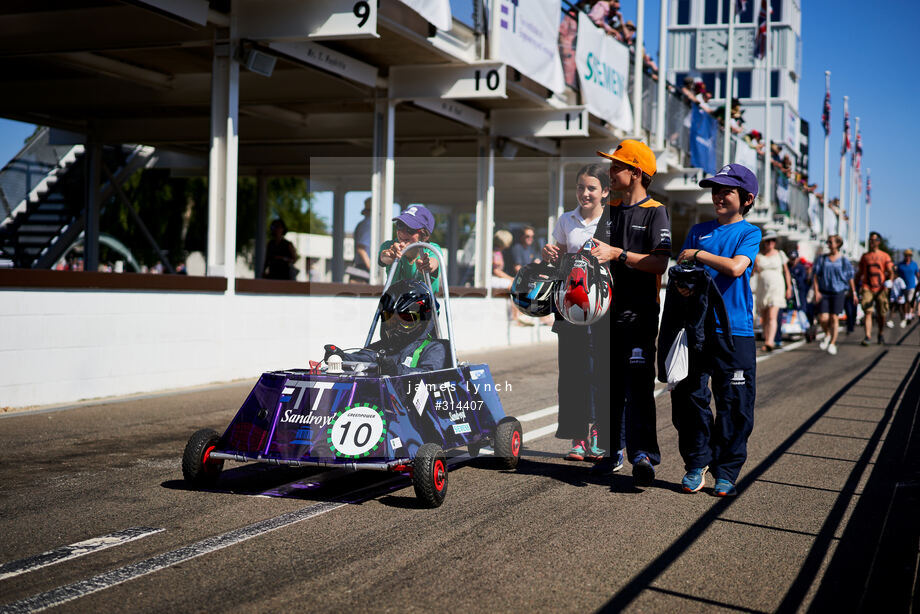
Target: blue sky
(871, 54)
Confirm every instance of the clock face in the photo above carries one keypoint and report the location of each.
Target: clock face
(711, 48)
(743, 48)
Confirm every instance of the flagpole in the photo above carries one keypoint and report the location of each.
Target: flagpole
(727, 140)
(662, 71)
(868, 203)
(854, 199)
(768, 152)
(843, 172)
(638, 62)
(827, 145)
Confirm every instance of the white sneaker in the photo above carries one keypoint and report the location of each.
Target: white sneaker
(903, 323)
(890, 323)
(832, 349)
(824, 343)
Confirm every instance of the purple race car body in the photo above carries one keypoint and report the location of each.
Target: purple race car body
(360, 420)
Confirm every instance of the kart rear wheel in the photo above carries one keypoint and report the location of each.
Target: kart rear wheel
(509, 441)
(429, 476)
(197, 468)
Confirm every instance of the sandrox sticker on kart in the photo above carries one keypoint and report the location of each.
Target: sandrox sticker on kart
(356, 431)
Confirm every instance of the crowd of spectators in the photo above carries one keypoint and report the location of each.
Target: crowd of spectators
(606, 15)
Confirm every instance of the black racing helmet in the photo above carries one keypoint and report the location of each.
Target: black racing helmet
(406, 312)
(532, 289)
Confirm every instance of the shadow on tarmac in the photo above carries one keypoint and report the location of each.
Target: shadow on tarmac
(644, 579)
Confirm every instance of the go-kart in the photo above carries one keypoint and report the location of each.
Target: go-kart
(350, 416)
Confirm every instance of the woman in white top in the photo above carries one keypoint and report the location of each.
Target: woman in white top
(774, 286)
(576, 373)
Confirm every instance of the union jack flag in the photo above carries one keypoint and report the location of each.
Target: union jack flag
(847, 146)
(826, 115)
(760, 40)
(857, 153)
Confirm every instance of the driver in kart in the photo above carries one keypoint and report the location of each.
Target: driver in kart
(407, 343)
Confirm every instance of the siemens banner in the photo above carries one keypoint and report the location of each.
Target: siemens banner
(435, 12)
(526, 37)
(603, 71)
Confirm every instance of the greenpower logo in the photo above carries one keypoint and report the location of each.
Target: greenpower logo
(356, 431)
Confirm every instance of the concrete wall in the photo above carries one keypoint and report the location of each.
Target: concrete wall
(64, 346)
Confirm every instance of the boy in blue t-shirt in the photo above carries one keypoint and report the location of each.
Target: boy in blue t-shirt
(908, 271)
(726, 247)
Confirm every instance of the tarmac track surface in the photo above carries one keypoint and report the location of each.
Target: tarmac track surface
(826, 518)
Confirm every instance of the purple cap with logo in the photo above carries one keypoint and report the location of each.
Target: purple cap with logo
(416, 217)
(735, 175)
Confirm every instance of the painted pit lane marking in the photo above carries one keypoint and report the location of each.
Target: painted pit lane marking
(109, 579)
(65, 553)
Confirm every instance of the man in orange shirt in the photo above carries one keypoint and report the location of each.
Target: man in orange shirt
(876, 272)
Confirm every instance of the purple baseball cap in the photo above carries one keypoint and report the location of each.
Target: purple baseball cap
(416, 217)
(735, 175)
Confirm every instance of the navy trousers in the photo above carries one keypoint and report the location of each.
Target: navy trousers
(630, 360)
(720, 442)
(578, 380)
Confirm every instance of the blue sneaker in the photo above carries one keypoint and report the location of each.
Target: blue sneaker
(643, 471)
(694, 480)
(609, 464)
(724, 488)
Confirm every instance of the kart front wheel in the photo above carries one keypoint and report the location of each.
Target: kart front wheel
(429, 475)
(509, 441)
(198, 468)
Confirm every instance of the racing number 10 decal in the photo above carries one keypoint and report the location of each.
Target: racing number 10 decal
(356, 431)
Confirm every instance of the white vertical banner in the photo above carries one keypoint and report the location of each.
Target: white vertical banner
(814, 213)
(435, 12)
(526, 37)
(603, 72)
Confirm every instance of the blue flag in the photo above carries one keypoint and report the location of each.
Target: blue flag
(703, 130)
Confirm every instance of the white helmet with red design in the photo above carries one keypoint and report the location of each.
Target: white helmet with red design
(585, 292)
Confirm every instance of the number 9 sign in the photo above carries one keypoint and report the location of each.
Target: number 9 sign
(356, 431)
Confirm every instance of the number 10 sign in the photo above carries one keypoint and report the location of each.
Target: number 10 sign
(356, 431)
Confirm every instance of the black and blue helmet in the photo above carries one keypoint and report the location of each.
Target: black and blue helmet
(532, 289)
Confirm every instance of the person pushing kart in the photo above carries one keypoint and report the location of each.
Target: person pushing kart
(407, 342)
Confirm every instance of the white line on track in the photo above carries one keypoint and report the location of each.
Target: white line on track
(65, 553)
(540, 413)
(108, 579)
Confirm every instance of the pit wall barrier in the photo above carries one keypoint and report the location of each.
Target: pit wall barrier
(59, 346)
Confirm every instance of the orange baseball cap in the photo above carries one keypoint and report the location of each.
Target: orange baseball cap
(636, 154)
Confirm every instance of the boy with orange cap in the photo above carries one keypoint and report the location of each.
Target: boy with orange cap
(634, 237)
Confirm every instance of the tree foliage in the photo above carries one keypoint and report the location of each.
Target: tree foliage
(175, 210)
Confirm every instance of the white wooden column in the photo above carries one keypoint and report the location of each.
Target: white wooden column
(485, 212)
(338, 234)
(222, 169)
(382, 182)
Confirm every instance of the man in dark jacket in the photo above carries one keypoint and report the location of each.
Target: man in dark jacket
(634, 237)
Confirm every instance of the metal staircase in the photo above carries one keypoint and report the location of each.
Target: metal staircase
(44, 219)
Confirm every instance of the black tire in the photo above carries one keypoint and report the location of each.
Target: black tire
(197, 468)
(509, 441)
(429, 475)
